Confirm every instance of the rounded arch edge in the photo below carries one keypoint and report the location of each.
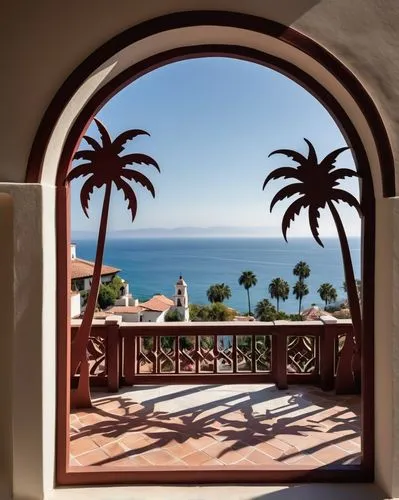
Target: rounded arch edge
(223, 19)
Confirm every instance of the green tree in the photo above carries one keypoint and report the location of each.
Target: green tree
(265, 311)
(300, 290)
(197, 312)
(173, 315)
(106, 296)
(248, 279)
(117, 284)
(279, 289)
(327, 293)
(302, 270)
(218, 292)
(220, 312)
(213, 312)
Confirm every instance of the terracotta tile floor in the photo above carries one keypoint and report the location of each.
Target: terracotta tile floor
(199, 425)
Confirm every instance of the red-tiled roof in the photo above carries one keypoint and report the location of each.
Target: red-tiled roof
(84, 269)
(158, 303)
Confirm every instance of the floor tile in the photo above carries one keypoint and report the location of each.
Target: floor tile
(217, 426)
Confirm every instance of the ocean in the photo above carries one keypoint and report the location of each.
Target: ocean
(153, 265)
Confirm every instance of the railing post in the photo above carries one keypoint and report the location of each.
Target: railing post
(129, 357)
(327, 346)
(113, 343)
(279, 360)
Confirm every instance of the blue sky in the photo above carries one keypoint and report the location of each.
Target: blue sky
(213, 122)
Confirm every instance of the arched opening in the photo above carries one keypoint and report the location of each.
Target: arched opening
(364, 150)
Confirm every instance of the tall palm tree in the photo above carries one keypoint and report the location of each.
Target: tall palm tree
(302, 270)
(248, 279)
(327, 293)
(279, 289)
(103, 168)
(218, 292)
(316, 187)
(300, 290)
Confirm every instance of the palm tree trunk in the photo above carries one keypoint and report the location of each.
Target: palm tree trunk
(300, 304)
(278, 304)
(352, 345)
(249, 303)
(81, 396)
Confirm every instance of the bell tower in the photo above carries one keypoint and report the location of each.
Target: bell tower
(180, 298)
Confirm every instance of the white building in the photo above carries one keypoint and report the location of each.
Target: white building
(180, 298)
(81, 275)
(82, 272)
(151, 311)
(155, 309)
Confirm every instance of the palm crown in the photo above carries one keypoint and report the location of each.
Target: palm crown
(105, 166)
(316, 186)
(247, 279)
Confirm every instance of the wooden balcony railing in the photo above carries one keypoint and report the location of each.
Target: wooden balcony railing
(125, 354)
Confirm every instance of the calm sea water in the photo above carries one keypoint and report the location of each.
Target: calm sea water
(153, 265)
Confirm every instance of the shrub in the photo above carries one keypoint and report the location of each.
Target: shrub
(106, 296)
(173, 315)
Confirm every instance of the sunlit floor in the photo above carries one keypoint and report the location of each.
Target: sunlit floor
(209, 425)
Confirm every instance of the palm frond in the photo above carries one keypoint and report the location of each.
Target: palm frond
(285, 172)
(291, 154)
(314, 215)
(289, 215)
(83, 169)
(105, 137)
(119, 143)
(92, 142)
(85, 154)
(341, 195)
(86, 191)
(133, 175)
(329, 160)
(342, 173)
(287, 192)
(129, 196)
(139, 158)
(312, 156)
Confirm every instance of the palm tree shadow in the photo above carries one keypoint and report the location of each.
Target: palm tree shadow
(229, 419)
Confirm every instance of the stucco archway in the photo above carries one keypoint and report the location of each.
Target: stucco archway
(169, 38)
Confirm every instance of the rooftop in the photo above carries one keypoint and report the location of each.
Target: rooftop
(84, 269)
(158, 303)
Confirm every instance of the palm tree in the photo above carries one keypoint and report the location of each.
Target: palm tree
(248, 280)
(316, 187)
(300, 290)
(302, 270)
(327, 293)
(279, 289)
(104, 167)
(265, 311)
(218, 292)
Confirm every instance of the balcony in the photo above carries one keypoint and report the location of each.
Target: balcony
(211, 395)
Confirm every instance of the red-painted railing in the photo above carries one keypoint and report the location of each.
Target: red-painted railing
(124, 354)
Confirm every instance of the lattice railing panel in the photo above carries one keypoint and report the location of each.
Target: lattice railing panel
(301, 354)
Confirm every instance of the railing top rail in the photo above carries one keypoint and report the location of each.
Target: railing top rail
(228, 328)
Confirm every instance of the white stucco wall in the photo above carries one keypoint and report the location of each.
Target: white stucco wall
(75, 305)
(37, 54)
(130, 318)
(153, 316)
